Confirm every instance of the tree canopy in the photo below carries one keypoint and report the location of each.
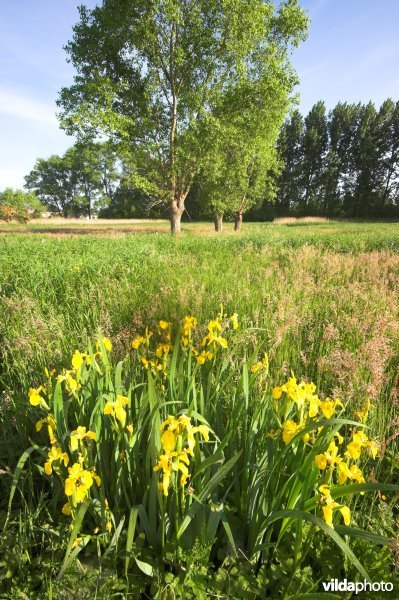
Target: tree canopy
(86, 177)
(344, 163)
(167, 77)
(19, 205)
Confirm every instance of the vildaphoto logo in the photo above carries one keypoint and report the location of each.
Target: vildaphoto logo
(343, 585)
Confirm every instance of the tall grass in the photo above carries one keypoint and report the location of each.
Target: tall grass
(320, 299)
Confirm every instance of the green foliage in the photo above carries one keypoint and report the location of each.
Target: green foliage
(345, 163)
(86, 177)
(171, 77)
(19, 205)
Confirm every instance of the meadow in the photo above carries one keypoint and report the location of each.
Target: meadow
(320, 300)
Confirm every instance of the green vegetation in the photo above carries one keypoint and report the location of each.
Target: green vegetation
(171, 78)
(319, 299)
(80, 182)
(343, 163)
(20, 206)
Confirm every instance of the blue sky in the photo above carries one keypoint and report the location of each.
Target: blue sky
(352, 54)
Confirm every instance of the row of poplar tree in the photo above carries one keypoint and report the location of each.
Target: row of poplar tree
(341, 163)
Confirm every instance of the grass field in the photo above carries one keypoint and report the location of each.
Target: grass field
(320, 298)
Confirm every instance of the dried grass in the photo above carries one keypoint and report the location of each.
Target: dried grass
(298, 220)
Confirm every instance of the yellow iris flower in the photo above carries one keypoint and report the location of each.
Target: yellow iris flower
(35, 398)
(79, 482)
(80, 434)
(328, 407)
(116, 409)
(176, 434)
(234, 320)
(51, 427)
(55, 454)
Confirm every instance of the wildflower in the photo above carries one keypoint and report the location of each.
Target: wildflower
(321, 461)
(362, 414)
(214, 338)
(51, 427)
(373, 448)
(214, 326)
(79, 482)
(35, 398)
(234, 320)
(67, 509)
(155, 366)
(290, 429)
(77, 360)
(164, 463)
(168, 440)
(55, 454)
(353, 449)
(162, 350)
(169, 462)
(325, 491)
(116, 409)
(80, 434)
(314, 404)
(339, 437)
(203, 357)
(328, 407)
(262, 365)
(332, 454)
(295, 392)
(71, 383)
(163, 325)
(343, 473)
(106, 343)
(346, 513)
(330, 506)
(137, 342)
(189, 323)
(328, 510)
(178, 442)
(356, 474)
(277, 391)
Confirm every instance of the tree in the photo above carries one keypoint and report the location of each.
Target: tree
(153, 75)
(19, 205)
(387, 142)
(239, 170)
(289, 149)
(84, 178)
(55, 182)
(314, 147)
(96, 172)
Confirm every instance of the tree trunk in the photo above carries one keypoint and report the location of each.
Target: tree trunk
(218, 220)
(175, 219)
(238, 221)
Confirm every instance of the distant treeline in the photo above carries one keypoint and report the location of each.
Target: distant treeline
(342, 163)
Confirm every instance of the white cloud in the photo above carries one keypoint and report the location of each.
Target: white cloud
(24, 107)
